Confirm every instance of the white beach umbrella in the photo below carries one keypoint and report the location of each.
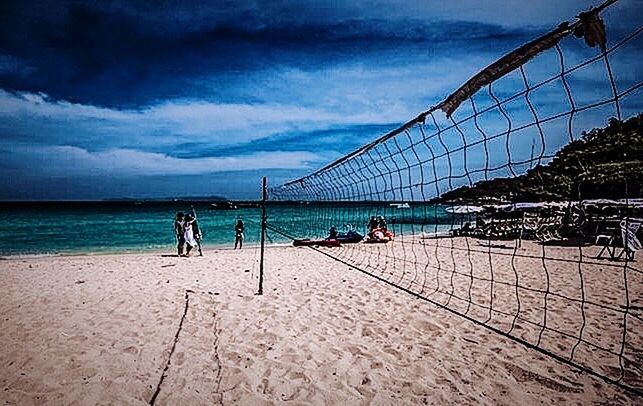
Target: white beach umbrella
(529, 206)
(631, 202)
(602, 202)
(464, 209)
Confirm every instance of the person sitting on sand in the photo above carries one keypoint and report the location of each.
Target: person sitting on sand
(332, 233)
(238, 239)
(179, 232)
(378, 230)
(188, 234)
(467, 229)
(372, 224)
(377, 235)
(381, 223)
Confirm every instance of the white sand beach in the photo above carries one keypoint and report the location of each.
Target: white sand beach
(99, 329)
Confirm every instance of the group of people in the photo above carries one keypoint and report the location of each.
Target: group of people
(377, 222)
(378, 230)
(188, 235)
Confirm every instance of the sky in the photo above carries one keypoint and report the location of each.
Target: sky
(142, 99)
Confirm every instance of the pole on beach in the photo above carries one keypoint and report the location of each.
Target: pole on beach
(264, 193)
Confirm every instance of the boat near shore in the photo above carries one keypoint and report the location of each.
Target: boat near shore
(223, 206)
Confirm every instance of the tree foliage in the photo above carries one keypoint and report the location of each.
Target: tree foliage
(603, 163)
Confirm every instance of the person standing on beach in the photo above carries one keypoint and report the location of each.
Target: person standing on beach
(188, 235)
(238, 229)
(179, 233)
(196, 230)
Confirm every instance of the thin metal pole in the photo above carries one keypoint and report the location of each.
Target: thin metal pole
(522, 230)
(264, 193)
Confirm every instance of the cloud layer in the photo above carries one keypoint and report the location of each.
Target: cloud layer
(123, 90)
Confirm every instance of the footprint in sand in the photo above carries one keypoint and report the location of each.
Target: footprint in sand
(131, 350)
(81, 373)
(376, 365)
(391, 351)
(264, 386)
(179, 358)
(294, 376)
(355, 351)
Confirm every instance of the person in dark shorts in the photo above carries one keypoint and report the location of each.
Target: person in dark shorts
(179, 232)
(238, 239)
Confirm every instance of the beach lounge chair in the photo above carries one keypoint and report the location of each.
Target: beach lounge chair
(607, 243)
(606, 236)
(628, 228)
(503, 229)
(631, 243)
(549, 229)
(530, 225)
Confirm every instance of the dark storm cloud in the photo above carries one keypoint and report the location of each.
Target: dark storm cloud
(345, 138)
(118, 56)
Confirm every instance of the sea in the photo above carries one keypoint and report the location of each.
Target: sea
(52, 228)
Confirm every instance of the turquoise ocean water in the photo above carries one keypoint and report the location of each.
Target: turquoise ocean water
(29, 228)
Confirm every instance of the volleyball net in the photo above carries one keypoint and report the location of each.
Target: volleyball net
(514, 203)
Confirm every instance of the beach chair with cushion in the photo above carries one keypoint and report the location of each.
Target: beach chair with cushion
(530, 225)
(607, 232)
(627, 230)
(549, 230)
(631, 242)
(554, 232)
(541, 230)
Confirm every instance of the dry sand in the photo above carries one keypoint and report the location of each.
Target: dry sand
(99, 329)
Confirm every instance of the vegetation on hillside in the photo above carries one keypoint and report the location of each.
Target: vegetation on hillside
(603, 163)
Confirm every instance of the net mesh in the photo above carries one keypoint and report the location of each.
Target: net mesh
(517, 209)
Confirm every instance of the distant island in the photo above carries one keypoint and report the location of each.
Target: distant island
(603, 163)
(212, 198)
